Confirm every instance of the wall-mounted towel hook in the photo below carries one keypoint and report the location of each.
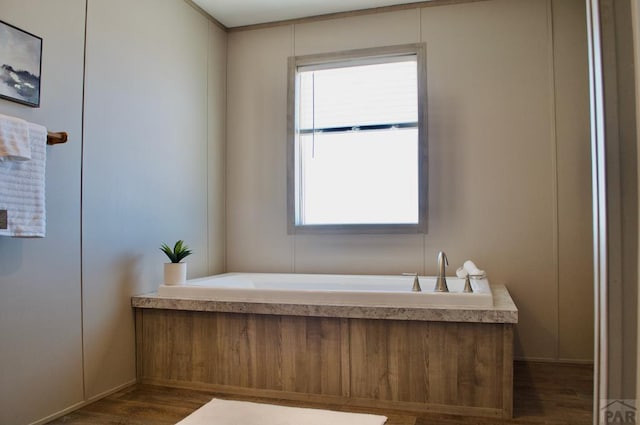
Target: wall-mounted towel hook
(55, 138)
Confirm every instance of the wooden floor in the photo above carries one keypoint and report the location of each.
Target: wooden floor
(544, 393)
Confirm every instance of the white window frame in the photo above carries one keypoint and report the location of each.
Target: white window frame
(377, 53)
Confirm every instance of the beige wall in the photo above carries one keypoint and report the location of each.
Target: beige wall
(150, 168)
(622, 196)
(40, 286)
(145, 168)
(573, 151)
(509, 167)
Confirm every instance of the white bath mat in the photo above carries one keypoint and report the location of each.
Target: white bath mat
(229, 412)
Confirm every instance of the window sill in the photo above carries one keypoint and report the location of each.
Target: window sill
(356, 229)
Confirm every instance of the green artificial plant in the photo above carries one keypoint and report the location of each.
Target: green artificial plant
(178, 253)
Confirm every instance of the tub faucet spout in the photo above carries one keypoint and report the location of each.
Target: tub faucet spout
(441, 280)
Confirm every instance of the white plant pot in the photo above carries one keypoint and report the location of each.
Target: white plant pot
(175, 273)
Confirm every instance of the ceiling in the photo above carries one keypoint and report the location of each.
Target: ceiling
(237, 13)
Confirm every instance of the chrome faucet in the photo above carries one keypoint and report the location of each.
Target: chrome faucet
(441, 280)
(416, 282)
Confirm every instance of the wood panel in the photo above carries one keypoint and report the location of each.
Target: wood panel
(283, 353)
(507, 371)
(448, 367)
(428, 362)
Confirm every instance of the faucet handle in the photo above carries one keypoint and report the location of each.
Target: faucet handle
(467, 284)
(416, 282)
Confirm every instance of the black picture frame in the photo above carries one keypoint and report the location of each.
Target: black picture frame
(20, 65)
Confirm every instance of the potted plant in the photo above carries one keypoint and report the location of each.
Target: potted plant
(175, 272)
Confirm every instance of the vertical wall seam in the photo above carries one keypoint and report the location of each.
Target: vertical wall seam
(424, 233)
(420, 25)
(554, 164)
(82, 138)
(225, 159)
(225, 148)
(208, 150)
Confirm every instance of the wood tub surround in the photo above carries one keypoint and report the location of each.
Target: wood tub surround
(402, 363)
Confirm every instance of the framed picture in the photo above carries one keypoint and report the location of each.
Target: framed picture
(20, 65)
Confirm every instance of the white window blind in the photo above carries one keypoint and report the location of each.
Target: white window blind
(359, 95)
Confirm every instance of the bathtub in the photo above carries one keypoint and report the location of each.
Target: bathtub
(321, 289)
(356, 340)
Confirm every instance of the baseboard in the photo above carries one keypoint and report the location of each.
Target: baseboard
(60, 414)
(556, 361)
(112, 391)
(82, 404)
(405, 407)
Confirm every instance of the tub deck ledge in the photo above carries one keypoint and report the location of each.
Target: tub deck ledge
(502, 311)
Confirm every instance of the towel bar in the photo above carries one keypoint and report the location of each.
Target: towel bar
(56, 138)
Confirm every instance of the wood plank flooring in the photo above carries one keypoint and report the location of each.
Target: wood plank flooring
(544, 393)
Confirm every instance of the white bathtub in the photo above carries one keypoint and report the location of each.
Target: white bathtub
(321, 289)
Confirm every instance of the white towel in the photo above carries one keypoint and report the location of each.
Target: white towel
(14, 139)
(473, 270)
(229, 412)
(462, 272)
(22, 189)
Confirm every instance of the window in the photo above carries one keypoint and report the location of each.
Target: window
(357, 141)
